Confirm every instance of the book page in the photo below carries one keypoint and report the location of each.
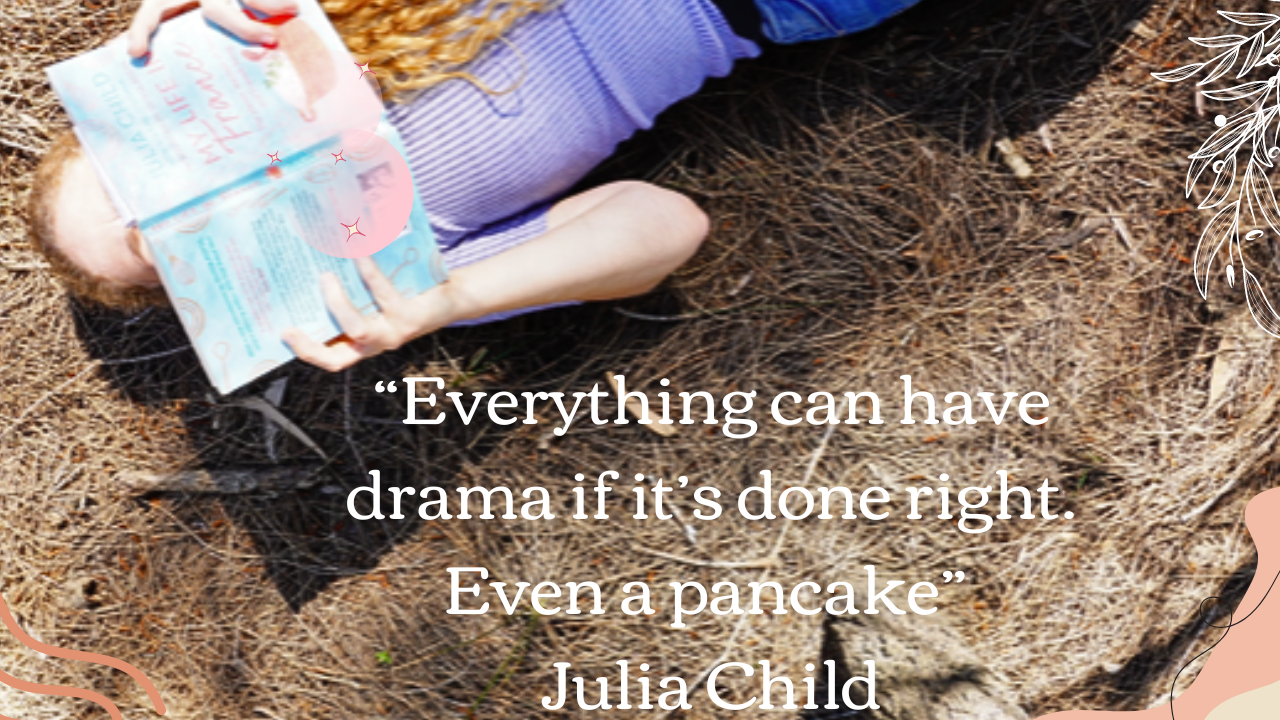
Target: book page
(241, 268)
(206, 109)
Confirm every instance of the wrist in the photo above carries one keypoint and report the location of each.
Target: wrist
(457, 303)
(442, 305)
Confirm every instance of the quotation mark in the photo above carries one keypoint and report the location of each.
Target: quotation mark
(959, 576)
(385, 387)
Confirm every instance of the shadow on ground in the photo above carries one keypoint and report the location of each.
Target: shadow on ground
(301, 527)
(968, 71)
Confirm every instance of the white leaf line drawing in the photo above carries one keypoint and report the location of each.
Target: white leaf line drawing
(1240, 190)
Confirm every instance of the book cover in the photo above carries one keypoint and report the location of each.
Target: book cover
(237, 164)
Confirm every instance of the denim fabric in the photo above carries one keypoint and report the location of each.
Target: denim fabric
(795, 21)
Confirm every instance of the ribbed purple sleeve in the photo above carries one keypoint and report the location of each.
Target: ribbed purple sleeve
(579, 79)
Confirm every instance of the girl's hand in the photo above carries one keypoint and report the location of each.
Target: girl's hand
(227, 14)
(613, 241)
(401, 319)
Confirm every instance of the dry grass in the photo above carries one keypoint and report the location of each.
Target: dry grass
(865, 228)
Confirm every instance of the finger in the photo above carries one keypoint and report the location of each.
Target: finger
(333, 357)
(353, 324)
(380, 286)
(273, 7)
(229, 17)
(145, 22)
(148, 19)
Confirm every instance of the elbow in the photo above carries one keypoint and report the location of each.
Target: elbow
(693, 226)
(683, 226)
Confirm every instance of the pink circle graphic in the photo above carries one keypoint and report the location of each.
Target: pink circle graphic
(328, 94)
(369, 188)
(365, 110)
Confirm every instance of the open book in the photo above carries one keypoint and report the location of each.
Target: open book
(186, 145)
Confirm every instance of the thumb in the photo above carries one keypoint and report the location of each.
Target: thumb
(148, 19)
(145, 22)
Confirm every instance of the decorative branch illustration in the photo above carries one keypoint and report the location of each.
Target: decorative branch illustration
(1239, 153)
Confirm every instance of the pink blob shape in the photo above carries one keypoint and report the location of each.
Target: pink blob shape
(371, 196)
(366, 111)
(338, 96)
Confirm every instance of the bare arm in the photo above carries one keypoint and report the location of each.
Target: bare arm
(611, 242)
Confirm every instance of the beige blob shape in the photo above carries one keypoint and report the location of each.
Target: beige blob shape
(1260, 704)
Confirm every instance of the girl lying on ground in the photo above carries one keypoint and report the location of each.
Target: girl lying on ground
(492, 169)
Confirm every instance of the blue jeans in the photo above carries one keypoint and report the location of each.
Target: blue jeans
(795, 21)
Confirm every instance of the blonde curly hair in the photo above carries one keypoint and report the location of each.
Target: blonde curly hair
(415, 45)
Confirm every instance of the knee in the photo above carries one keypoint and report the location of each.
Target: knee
(681, 224)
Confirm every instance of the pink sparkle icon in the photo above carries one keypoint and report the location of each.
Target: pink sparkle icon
(385, 196)
(275, 157)
(338, 157)
(364, 69)
(353, 229)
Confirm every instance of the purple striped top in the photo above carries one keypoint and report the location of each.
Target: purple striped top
(583, 77)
